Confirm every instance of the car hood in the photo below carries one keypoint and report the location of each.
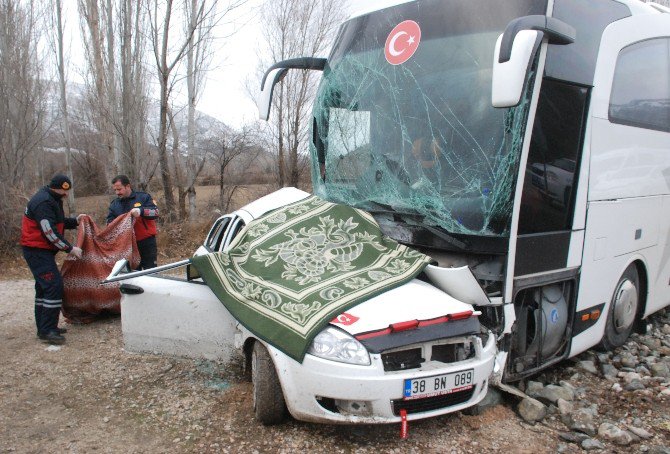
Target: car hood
(416, 300)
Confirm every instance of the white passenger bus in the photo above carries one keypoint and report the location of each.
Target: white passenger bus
(557, 199)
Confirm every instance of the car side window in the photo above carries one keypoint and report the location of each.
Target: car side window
(216, 234)
(641, 88)
(235, 227)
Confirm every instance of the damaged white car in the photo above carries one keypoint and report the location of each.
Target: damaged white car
(410, 352)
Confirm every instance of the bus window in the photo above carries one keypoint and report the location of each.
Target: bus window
(641, 87)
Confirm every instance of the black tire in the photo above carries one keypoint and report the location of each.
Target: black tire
(623, 310)
(268, 398)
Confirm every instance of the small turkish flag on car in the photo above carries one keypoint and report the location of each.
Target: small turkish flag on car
(345, 319)
(402, 42)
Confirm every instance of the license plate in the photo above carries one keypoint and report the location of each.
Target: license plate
(436, 385)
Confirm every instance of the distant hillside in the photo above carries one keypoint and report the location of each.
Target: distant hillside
(207, 127)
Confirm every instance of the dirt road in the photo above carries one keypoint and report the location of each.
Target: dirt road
(92, 396)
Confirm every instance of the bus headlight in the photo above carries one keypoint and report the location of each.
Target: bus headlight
(336, 345)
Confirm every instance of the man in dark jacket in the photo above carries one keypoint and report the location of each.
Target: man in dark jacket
(42, 237)
(143, 208)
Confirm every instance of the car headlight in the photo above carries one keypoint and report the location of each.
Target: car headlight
(336, 345)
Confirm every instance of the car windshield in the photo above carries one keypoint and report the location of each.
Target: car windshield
(418, 138)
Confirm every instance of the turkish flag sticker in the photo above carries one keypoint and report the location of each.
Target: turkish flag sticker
(345, 319)
(402, 42)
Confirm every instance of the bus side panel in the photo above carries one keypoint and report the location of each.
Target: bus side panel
(618, 232)
(659, 282)
(627, 161)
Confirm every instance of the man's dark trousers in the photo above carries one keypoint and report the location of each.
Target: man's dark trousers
(48, 287)
(148, 253)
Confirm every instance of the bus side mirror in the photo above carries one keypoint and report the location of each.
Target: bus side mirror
(276, 73)
(515, 50)
(264, 100)
(509, 77)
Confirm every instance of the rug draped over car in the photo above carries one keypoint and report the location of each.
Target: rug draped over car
(84, 297)
(290, 272)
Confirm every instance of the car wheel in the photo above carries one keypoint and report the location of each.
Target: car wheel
(622, 313)
(268, 399)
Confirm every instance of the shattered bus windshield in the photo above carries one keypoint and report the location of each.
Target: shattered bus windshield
(419, 138)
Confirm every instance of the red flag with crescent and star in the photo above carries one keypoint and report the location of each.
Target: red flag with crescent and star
(402, 42)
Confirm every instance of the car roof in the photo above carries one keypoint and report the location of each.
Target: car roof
(272, 201)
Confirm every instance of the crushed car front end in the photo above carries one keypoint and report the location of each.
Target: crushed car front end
(321, 390)
(413, 348)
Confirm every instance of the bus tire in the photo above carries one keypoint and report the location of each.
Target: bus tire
(268, 398)
(622, 313)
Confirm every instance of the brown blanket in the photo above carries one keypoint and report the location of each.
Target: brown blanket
(84, 297)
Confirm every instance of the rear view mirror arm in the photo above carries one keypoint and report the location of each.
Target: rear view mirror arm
(296, 63)
(557, 31)
(276, 73)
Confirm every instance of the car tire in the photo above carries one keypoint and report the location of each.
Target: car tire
(623, 310)
(268, 398)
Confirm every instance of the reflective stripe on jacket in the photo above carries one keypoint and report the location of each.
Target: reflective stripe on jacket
(44, 222)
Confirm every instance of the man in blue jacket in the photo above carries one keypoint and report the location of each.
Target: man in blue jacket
(42, 237)
(143, 208)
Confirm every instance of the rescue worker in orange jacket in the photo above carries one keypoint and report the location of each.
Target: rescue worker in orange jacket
(42, 237)
(143, 208)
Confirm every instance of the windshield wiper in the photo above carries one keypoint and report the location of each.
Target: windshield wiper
(451, 239)
(379, 208)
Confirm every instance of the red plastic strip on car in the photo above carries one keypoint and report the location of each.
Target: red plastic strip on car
(435, 321)
(413, 324)
(460, 315)
(404, 326)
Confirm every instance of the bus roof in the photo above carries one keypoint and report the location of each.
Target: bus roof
(635, 6)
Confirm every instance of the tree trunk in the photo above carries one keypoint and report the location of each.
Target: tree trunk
(63, 101)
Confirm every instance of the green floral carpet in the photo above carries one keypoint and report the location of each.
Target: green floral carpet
(293, 270)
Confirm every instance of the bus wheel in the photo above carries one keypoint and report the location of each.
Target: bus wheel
(268, 398)
(623, 309)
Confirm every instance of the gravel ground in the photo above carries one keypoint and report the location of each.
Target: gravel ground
(92, 396)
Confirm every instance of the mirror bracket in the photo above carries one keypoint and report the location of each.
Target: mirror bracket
(557, 31)
(276, 73)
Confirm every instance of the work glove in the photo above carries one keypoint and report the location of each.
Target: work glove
(135, 212)
(76, 251)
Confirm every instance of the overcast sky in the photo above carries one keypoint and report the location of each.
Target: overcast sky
(225, 96)
(235, 60)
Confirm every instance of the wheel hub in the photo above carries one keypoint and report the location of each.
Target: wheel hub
(625, 306)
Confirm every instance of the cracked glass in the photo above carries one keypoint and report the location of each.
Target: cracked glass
(418, 142)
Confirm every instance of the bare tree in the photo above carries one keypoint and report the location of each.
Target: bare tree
(114, 32)
(96, 50)
(133, 107)
(22, 109)
(226, 148)
(167, 58)
(198, 57)
(60, 62)
(200, 16)
(296, 28)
